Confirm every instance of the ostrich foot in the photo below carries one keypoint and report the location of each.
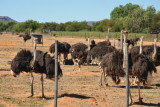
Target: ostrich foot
(100, 84)
(106, 84)
(30, 96)
(131, 102)
(43, 97)
(117, 82)
(140, 101)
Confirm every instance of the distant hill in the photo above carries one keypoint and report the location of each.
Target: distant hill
(6, 19)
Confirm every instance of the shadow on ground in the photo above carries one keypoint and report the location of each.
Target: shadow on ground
(75, 96)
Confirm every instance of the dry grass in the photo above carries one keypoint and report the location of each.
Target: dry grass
(76, 88)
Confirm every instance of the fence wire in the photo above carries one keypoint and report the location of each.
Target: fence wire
(81, 85)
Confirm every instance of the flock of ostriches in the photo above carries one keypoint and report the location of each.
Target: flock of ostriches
(142, 61)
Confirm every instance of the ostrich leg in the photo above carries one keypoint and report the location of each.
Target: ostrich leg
(105, 78)
(42, 86)
(102, 72)
(130, 94)
(32, 78)
(65, 56)
(79, 66)
(60, 57)
(140, 99)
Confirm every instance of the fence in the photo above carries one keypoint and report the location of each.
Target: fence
(102, 35)
(74, 88)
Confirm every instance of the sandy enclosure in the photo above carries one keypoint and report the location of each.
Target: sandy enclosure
(76, 88)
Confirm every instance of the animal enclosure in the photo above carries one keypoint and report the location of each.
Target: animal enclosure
(76, 88)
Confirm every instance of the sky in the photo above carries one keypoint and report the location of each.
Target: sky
(61, 11)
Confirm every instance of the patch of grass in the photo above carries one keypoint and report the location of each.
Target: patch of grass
(24, 102)
(102, 35)
(1, 105)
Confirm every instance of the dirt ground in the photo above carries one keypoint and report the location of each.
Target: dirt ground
(75, 89)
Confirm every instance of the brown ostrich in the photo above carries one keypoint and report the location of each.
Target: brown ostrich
(25, 36)
(63, 48)
(139, 66)
(44, 64)
(79, 53)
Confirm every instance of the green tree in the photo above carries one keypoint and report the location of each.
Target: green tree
(60, 27)
(155, 23)
(2, 27)
(77, 26)
(103, 25)
(122, 11)
(9, 26)
(49, 25)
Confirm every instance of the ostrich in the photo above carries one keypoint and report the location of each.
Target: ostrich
(152, 52)
(111, 65)
(104, 43)
(79, 53)
(132, 42)
(25, 36)
(63, 48)
(97, 52)
(44, 64)
(142, 68)
(93, 44)
(139, 66)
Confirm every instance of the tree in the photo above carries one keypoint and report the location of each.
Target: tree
(134, 22)
(155, 23)
(60, 27)
(49, 25)
(2, 28)
(103, 25)
(77, 26)
(10, 26)
(122, 11)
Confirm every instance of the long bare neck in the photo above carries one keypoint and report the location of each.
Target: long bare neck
(122, 40)
(88, 43)
(141, 43)
(155, 50)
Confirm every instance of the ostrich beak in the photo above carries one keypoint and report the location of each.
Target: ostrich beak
(12, 73)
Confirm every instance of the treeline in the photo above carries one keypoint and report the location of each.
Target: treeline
(129, 17)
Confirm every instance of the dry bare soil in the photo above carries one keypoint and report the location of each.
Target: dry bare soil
(76, 88)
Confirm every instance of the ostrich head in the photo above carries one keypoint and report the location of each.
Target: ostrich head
(15, 71)
(21, 62)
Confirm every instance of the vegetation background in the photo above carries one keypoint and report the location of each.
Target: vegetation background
(130, 17)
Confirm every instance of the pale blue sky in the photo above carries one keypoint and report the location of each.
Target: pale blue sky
(62, 11)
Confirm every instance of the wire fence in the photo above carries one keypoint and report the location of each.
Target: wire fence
(83, 86)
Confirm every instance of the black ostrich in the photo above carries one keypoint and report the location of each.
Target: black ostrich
(93, 44)
(79, 53)
(152, 52)
(139, 66)
(63, 48)
(132, 42)
(104, 43)
(25, 36)
(97, 52)
(112, 65)
(44, 64)
(142, 68)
